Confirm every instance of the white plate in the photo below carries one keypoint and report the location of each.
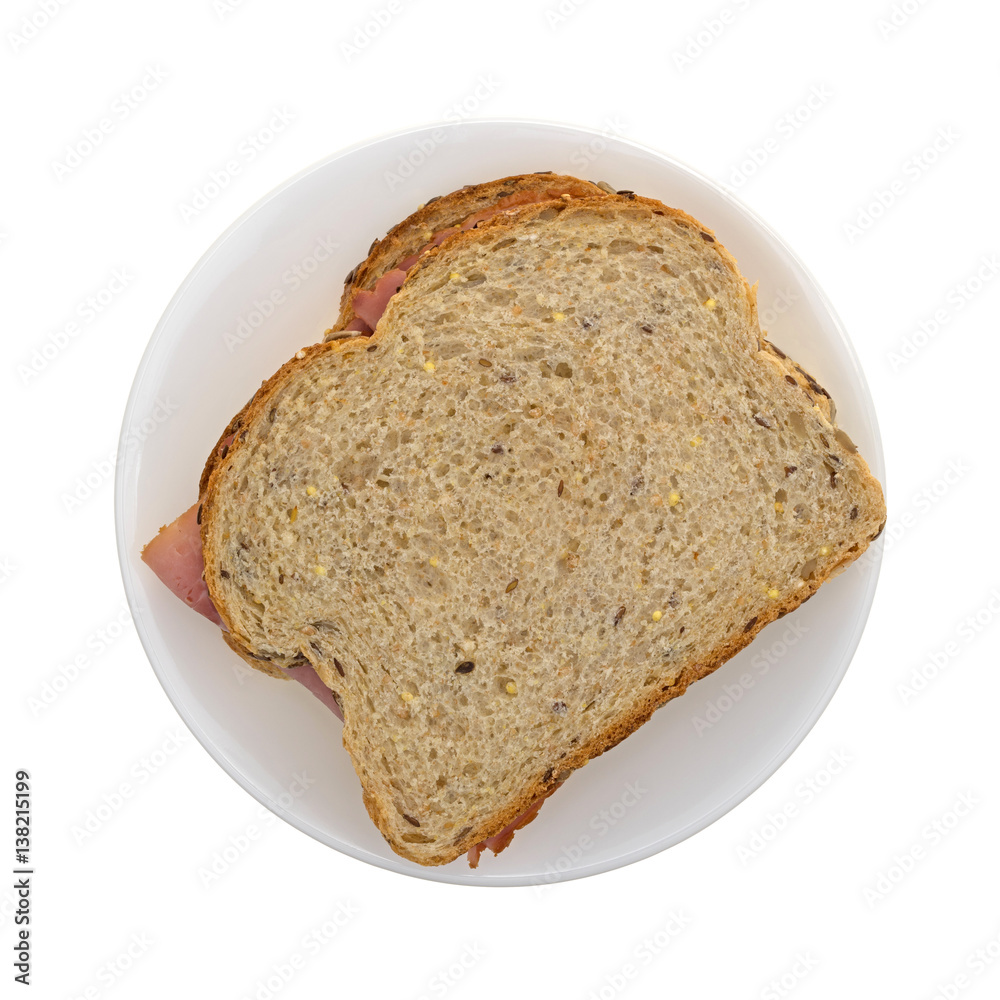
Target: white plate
(213, 347)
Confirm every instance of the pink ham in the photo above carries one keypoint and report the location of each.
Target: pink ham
(510, 202)
(501, 840)
(370, 305)
(306, 675)
(175, 556)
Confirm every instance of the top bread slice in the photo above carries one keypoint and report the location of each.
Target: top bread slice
(564, 478)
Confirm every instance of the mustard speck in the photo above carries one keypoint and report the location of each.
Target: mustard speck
(657, 615)
(319, 570)
(774, 594)
(428, 366)
(433, 561)
(511, 687)
(558, 317)
(454, 276)
(709, 303)
(825, 550)
(779, 507)
(293, 513)
(406, 696)
(674, 499)
(696, 440)
(311, 491)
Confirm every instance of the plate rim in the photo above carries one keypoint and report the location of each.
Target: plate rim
(441, 873)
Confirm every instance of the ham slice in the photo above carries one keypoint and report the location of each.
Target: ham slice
(175, 556)
(306, 675)
(370, 305)
(501, 840)
(513, 201)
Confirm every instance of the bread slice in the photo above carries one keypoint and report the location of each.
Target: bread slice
(564, 478)
(444, 212)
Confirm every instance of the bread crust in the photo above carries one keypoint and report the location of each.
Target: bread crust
(575, 758)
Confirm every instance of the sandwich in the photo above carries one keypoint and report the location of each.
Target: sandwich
(543, 473)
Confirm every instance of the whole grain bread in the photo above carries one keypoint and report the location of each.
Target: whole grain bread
(564, 478)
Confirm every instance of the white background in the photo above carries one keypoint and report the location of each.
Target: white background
(886, 882)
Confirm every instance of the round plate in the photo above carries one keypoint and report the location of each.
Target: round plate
(270, 285)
